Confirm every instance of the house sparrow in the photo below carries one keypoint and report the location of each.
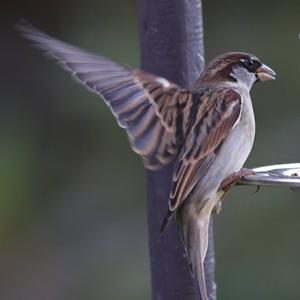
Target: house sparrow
(209, 130)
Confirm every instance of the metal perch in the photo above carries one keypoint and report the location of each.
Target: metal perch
(284, 175)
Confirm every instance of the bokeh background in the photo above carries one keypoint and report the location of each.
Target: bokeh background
(72, 193)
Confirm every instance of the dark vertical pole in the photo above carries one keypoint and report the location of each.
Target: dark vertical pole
(171, 35)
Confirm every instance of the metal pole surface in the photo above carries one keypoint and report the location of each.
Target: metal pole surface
(171, 39)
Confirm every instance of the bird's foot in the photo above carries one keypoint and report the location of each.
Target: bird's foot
(217, 208)
(232, 179)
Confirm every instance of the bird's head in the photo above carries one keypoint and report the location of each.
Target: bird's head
(237, 68)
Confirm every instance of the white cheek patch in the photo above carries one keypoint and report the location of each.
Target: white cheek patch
(164, 82)
(244, 77)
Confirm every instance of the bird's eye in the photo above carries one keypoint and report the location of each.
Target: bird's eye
(251, 64)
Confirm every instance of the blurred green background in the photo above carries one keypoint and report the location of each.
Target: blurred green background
(72, 193)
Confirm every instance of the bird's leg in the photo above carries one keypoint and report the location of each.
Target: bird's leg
(218, 207)
(227, 184)
(232, 179)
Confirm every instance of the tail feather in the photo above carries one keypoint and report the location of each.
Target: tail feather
(196, 240)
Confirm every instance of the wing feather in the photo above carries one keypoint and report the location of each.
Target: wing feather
(216, 117)
(148, 107)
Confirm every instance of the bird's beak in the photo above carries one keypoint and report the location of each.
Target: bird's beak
(265, 73)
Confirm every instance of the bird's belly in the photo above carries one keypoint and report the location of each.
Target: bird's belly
(230, 158)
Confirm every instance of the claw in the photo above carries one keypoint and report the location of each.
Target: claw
(257, 189)
(232, 179)
(217, 208)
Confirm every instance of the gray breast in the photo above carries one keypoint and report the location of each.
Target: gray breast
(232, 154)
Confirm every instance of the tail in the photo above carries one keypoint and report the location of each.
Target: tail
(195, 236)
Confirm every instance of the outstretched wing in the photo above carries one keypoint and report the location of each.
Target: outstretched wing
(150, 108)
(217, 115)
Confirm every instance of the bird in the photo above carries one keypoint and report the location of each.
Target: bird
(206, 131)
